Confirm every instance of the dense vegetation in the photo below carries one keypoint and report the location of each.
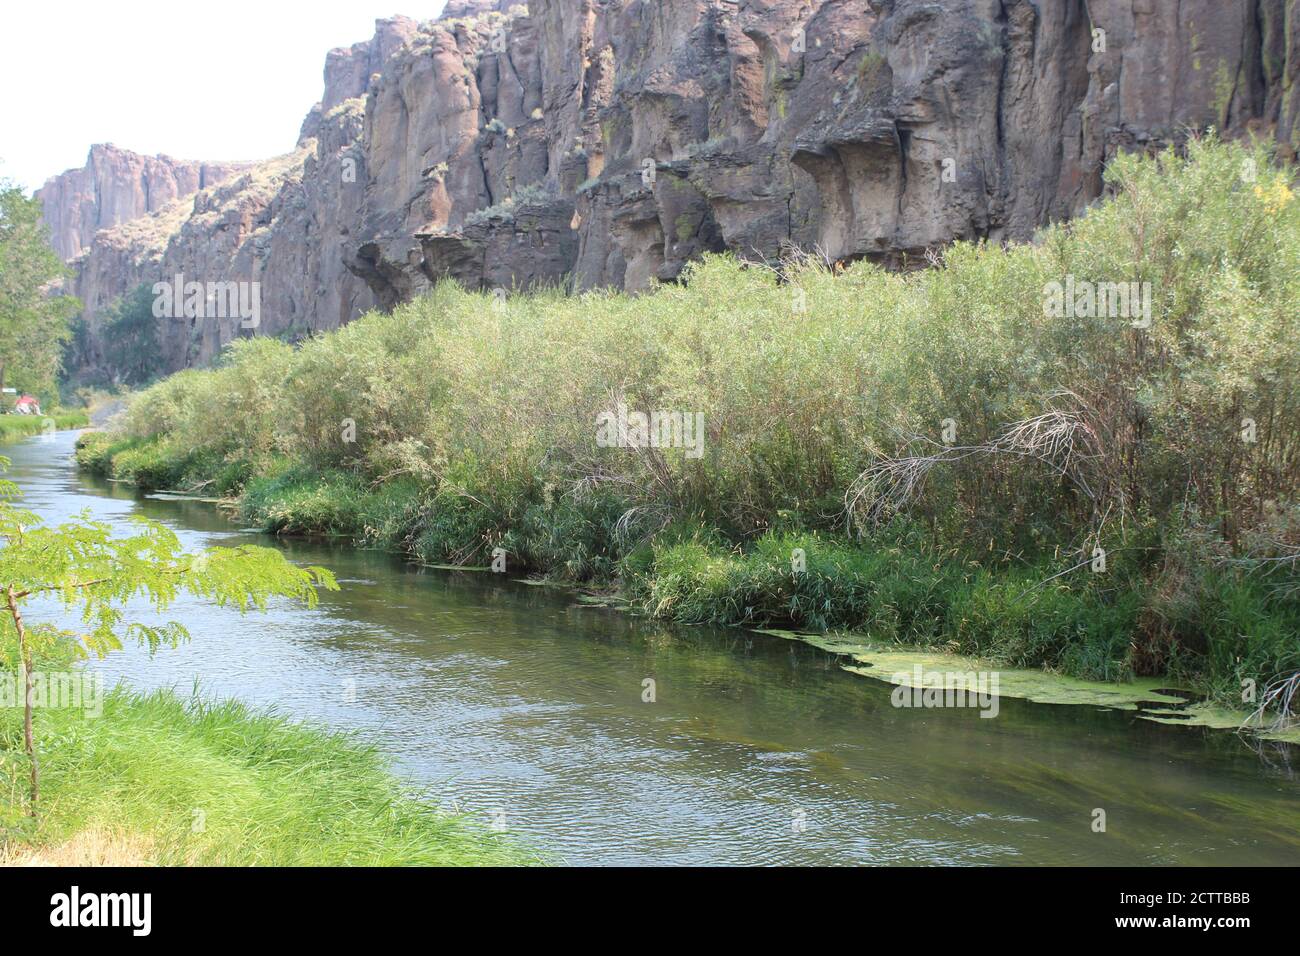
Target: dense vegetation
(937, 457)
(33, 324)
(126, 354)
(131, 340)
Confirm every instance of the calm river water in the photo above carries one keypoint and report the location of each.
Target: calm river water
(512, 701)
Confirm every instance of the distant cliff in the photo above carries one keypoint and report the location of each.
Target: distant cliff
(608, 142)
(116, 186)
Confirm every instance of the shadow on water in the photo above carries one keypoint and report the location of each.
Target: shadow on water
(515, 701)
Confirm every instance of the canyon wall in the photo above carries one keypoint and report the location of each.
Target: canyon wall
(608, 142)
(116, 186)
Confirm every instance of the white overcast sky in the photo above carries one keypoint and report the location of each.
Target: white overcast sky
(225, 80)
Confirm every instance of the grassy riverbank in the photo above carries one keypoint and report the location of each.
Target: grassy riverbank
(940, 458)
(14, 427)
(157, 779)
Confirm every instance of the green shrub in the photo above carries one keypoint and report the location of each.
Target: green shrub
(301, 501)
(462, 422)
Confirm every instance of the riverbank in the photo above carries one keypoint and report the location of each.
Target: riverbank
(528, 707)
(160, 780)
(15, 427)
(939, 459)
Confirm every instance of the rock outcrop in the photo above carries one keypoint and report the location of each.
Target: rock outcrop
(280, 224)
(116, 186)
(609, 142)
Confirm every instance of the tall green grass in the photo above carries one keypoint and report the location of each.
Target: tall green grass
(462, 423)
(14, 427)
(896, 590)
(220, 784)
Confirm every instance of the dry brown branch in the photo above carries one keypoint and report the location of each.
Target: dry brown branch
(1281, 696)
(1061, 438)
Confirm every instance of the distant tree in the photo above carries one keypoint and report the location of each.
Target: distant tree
(33, 322)
(132, 347)
(83, 566)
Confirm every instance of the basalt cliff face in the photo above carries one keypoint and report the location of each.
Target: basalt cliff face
(116, 186)
(608, 142)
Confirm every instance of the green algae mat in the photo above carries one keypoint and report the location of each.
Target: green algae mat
(1151, 698)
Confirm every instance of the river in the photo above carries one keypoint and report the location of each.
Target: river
(515, 702)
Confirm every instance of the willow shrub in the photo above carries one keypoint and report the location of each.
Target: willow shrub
(487, 406)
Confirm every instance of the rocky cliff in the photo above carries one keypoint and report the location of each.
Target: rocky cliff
(608, 142)
(116, 186)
